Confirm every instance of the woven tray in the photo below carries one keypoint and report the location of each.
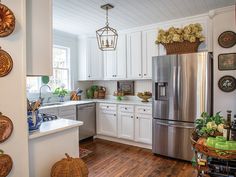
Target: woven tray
(211, 151)
(182, 47)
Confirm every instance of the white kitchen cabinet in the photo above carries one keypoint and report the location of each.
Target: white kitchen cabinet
(115, 61)
(134, 55)
(126, 122)
(90, 62)
(107, 120)
(149, 49)
(52, 111)
(143, 124)
(39, 37)
(67, 112)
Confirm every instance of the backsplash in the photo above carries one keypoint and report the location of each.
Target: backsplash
(139, 86)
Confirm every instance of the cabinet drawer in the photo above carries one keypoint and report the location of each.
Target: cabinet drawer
(126, 108)
(143, 109)
(108, 107)
(67, 110)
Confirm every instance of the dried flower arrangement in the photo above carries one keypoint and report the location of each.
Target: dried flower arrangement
(191, 33)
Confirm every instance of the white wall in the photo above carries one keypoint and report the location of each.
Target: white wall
(13, 92)
(223, 22)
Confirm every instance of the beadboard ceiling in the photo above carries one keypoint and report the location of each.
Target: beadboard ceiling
(83, 17)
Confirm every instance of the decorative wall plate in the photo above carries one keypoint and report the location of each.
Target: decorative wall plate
(227, 61)
(6, 63)
(6, 128)
(227, 83)
(6, 164)
(227, 39)
(7, 21)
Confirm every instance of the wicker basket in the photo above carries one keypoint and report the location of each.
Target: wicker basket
(211, 151)
(182, 47)
(73, 167)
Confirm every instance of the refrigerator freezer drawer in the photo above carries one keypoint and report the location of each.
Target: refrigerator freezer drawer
(172, 140)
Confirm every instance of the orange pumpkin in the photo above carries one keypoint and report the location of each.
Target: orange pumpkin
(5, 164)
(69, 167)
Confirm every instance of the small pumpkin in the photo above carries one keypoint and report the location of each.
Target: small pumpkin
(69, 167)
(5, 164)
(6, 128)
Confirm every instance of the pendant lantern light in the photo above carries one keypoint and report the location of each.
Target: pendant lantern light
(107, 36)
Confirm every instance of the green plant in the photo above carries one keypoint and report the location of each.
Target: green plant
(207, 125)
(61, 92)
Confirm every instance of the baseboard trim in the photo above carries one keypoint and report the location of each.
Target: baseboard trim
(118, 140)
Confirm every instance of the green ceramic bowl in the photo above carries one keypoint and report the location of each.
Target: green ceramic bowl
(211, 141)
(220, 139)
(222, 145)
(231, 144)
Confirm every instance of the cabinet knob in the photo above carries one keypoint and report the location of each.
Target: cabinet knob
(145, 74)
(140, 74)
(144, 110)
(114, 114)
(136, 117)
(107, 106)
(125, 108)
(132, 116)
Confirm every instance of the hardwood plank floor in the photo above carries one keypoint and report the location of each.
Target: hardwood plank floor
(110, 159)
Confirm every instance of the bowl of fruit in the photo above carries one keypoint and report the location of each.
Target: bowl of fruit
(145, 96)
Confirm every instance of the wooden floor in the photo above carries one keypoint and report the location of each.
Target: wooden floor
(110, 159)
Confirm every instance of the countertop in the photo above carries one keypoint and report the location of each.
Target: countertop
(54, 126)
(112, 101)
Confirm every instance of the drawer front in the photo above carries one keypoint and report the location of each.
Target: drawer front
(67, 110)
(126, 108)
(52, 111)
(143, 109)
(107, 107)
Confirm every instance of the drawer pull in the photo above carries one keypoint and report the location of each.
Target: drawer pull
(144, 110)
(136, 117)
(114, 114)
(132, 117)
(125, 108)
(107, 106)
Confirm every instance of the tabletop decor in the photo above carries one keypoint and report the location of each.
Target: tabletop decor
(7, 21)
(61, 92)
(6, 63)
(127, 87)
(227, 83)
(69, 167)
(34, 118)
(145, 96)
(181, 40)
(6, 164)
(119, 95)
(6, 128)
(227, 61)
(227, 39)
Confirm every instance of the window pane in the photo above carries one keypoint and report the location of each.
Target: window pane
(60, 56)
(33, 84)
(60, 77)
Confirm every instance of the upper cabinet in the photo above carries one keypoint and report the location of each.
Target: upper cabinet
(90, 60)
(39, 37)
(115, 61)
(134, 55)
(149, 50)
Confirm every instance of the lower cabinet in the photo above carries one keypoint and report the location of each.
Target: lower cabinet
(125, 121)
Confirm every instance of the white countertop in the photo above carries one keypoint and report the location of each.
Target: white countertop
(112, 101)
(54, 126)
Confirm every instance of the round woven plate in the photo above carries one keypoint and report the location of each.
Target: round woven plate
(227, 39)
(7, 21)
(6, 128)
(227, 83)
(6, 63)
(6, 164)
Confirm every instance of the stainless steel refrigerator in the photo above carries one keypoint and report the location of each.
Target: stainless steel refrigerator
(182, 90)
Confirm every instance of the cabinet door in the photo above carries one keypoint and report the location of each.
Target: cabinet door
(67, 112)
(143, 128)
(121, 57)
(108, 124)
(95, 60)
(126, 126)
(134, 57)
(39, 37)
(149, 49)
(109, 64)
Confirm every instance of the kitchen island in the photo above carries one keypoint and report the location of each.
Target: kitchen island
(50, 143)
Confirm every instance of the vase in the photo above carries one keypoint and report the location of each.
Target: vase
(61, 98)
(34, 120)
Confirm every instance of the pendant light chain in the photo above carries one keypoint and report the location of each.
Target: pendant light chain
(107, 23)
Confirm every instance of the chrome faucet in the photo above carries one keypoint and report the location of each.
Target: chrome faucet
(40, 92)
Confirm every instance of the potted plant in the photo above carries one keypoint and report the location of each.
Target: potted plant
(61, 92)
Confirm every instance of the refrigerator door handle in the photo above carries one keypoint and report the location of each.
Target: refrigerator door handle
(175, 126)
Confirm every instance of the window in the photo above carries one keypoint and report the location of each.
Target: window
(61, 68)
(61, 71)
